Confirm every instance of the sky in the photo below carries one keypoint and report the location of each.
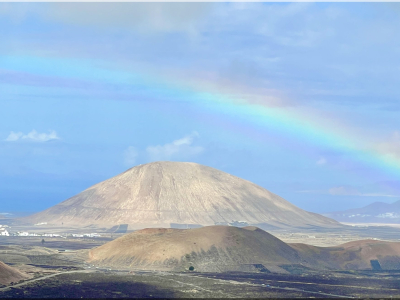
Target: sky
(302, 99)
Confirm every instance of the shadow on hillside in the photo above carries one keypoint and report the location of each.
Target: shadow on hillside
(90, 289)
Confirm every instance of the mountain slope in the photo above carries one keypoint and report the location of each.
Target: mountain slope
(160, 193)
(353, 255)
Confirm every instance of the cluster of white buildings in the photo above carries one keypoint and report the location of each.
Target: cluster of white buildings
(86, 235)
(358, 215)
(390, 215)
(25, 233)
(3, 230)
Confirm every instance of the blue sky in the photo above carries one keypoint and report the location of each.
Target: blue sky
(89, 90)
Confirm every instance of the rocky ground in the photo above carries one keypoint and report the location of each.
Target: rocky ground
(107, 284)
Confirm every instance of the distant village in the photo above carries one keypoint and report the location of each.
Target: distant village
(4, 231)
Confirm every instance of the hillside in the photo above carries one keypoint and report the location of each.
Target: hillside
(225, 248)
(9, 274)
(212, 248)
(160, 193)
(352, 255)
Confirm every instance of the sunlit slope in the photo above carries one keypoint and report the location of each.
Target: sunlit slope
(211, 248)
(160, 193)
(9, 274)
(353, 255)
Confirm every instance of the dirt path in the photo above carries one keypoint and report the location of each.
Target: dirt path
(333, 285)
(255, 284)
(42, 278)
(199, 287)
(281, 288)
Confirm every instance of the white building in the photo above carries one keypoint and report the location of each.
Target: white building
(92, 234)
(51, 235)
(4, 233)
(43, 223)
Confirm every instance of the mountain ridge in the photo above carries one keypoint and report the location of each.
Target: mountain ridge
(376, 212)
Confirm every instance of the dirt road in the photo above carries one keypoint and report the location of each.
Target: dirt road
(42, 278)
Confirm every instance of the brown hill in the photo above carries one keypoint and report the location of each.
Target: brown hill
(212, 248)
(160, 193)
(225, 248)
(9, 274)
(353, 255)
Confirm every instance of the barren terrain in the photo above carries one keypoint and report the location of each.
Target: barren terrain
(58, 268)
(163, 193)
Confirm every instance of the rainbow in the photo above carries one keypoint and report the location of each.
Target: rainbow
(311, 128)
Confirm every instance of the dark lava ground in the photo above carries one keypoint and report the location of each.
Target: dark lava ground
(114, 284)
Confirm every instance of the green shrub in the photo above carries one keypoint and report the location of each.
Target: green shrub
(191, 268)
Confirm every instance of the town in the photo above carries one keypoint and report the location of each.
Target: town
(5, 231)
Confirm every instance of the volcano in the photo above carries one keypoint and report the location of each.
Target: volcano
(159, 194)
(210, 248)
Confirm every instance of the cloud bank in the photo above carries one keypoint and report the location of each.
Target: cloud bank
(33, 136)
(180, 148)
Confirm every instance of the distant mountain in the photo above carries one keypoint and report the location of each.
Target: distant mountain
(162, 193)
(377, 212)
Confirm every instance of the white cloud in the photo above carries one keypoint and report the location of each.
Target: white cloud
(321, 161)
(33, 136)
(130, 155)
(14, 136)
(379, 195)
(180, 148)
(344, 191)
